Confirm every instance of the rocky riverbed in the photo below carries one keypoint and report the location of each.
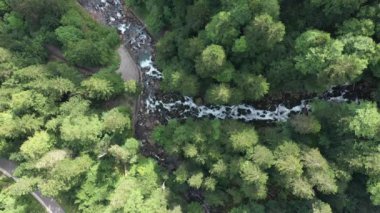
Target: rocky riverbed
(155, 108)
(140, 44)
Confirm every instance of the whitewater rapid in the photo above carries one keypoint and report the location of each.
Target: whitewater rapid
(188, 108)
(140, 43)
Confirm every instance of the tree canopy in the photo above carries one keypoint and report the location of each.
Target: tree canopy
(71, 125)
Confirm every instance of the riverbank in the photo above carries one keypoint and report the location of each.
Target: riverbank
(140, 47)
(155, 108)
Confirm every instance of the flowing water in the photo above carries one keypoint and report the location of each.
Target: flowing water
(140, 44)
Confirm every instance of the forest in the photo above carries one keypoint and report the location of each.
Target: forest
(67, 120)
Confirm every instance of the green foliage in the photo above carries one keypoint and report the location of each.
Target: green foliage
(301, 171)
(345, 69)
(374, 190)
(65, 71)
(23, 186)
(321, 207)
(371, 11)
(82, 46)
(114, 79)
(361, 46)
(366, 121)
(219, 94)
(140, 191)
(52, 120)
(253, 87)
(253, 207)
(325, 61)
(28, 101)
(212, 60)
(222, 29)
(115, 121)
(191, 48)
(132, 87)
(51, 158)
(40, 13)
(179, 81)
(27, 26)
(66, 174)
(4, 7)
(86, 53)
(213, 157)
(263, 33)
(196, 180)
(68, 34)
(319, 172)
(357, 27)
(270, 7)
(223, 94)
(225, 52)
(194, 207)
(262, 156)
(243, 140)
(337, 8)
(98, 89)
(252, 174)
(288, 162)
(240, 45)
(305, 124)
(81, 130)
(93, 193)
(316, 46)
(15, 203)
(36, 146)
(14, 127)
(127, 153)
(216, 41)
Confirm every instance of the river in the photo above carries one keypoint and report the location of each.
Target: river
(138, 41)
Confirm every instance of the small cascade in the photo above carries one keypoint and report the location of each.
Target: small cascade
(139, 42)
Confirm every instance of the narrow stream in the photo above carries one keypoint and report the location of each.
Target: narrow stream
(140, 44)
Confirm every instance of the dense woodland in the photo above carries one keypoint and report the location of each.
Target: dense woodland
(56, 124)
(230, 51)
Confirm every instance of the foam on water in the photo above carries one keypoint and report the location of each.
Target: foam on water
(152, 71)
(139, 40)
(122, 28)
(339, 98)
(244, 112)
